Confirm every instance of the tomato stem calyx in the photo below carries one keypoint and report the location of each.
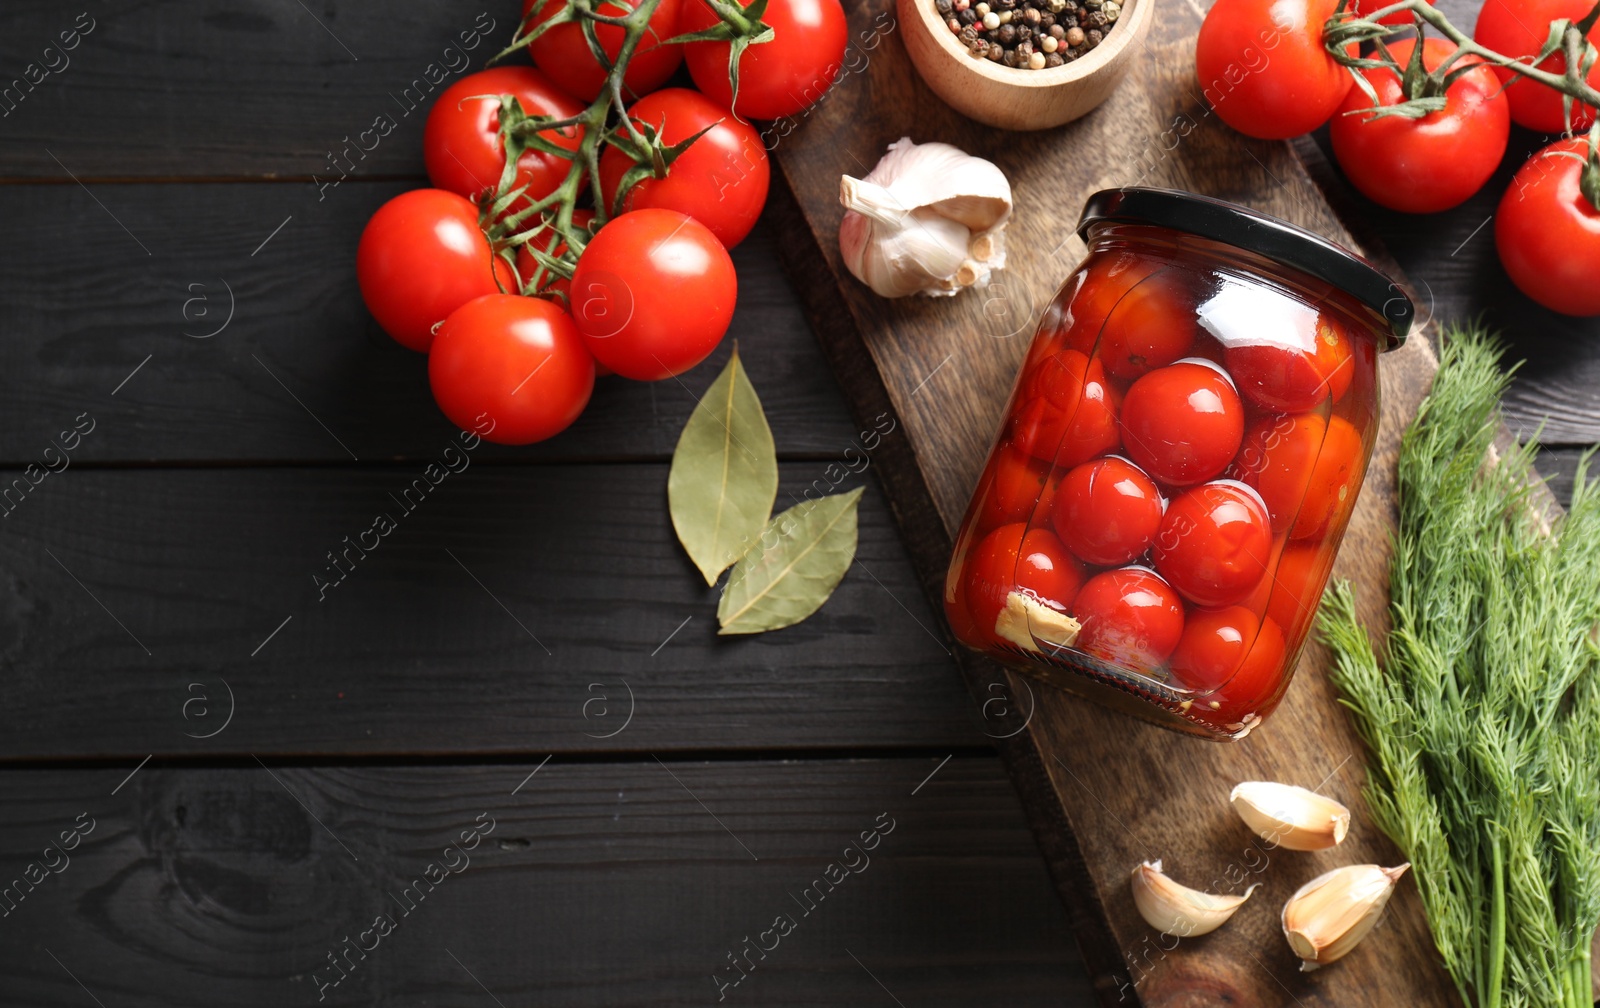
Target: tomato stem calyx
(1425, 92)
(544, 230)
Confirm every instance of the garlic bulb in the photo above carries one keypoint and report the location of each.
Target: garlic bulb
(928, 219)
(1332, 913)
(1176, 909)
(1025, 619)
(1291, 817)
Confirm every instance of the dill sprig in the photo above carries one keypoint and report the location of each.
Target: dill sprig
(1481, 710)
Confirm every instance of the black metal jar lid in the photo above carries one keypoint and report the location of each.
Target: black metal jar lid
(1276, 239)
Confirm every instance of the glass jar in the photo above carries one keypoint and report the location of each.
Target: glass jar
(1178, 461)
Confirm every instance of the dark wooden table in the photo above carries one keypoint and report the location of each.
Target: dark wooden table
(519, 695)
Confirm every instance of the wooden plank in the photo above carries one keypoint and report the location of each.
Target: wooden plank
(209, 87)
(89, 323)
(514, 608)
(597, 885)
(1104, 792)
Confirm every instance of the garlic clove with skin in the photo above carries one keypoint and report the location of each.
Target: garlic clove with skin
(928, 219)
(1289, 816)
(1332, 913)
(1176, 909)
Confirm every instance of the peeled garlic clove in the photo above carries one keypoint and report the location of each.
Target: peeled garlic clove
(1176, 909)
(1289, 816)
(1332, 913)
(1025, 619)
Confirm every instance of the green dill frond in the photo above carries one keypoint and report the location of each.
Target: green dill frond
(1480, 711)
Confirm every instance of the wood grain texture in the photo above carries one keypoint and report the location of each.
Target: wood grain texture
(598, 885)
(82, 307)
(258, 88)
(511, 610)
(1107, 792)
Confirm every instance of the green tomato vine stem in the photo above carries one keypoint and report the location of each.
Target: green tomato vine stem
(1425, 91)
(1344, 28)
(544, 228)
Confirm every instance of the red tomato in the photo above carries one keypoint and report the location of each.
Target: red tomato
(461, 142)
(1429, 164)
(1263, 68)
(515, 361)
(1518, 28)
(1067, 411)
(1099, 290)
(1548, 233)
(1107, 512)
(1182, 423)
(1151, 327)
(1214, 543)
(1400, 18)
(653, 294)
(1015, 558)
(1017, 484)
(720, 181)
(1130, 617)
(777, 78)
(1297, 585)
(564, 55)
(1230, 649)
(421, 257)
(1307, 470)
(1298, 371)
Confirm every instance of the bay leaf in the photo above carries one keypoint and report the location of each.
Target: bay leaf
(724, 474)
(793, 568)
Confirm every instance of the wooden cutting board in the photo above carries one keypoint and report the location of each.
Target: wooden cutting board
(1104, 792)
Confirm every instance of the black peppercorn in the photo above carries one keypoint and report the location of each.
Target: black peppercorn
(1053, 60)
(1008, 34)
(1094, 37)
(944, 6)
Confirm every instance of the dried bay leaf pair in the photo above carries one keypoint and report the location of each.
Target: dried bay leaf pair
(720, 492)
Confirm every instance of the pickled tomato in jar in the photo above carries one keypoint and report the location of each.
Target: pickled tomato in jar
(1181, 454)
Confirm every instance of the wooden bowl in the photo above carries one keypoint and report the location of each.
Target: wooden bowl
(1020, 99)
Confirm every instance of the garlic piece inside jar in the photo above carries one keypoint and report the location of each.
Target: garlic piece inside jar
(928, 219)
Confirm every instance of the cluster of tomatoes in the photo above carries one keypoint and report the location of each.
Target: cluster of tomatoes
(1266, 72)
(653, 289)
(1178, 498)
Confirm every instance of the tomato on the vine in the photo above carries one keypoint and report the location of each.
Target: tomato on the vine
(779, 77)
(1361, 8)
(653, 294)
(1429, 164)
(516, 362)
(1518, 28)
(720, 180)
(1263, 68)
(422, 256)
(563, 53)
(461, 143)
(1548, 231)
